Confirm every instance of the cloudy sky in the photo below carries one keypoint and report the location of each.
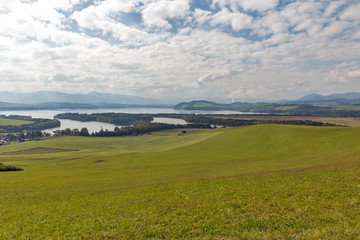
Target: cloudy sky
(270, 49)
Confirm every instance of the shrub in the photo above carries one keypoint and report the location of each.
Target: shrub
(9, 168)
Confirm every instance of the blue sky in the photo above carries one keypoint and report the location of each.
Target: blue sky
(238, 49)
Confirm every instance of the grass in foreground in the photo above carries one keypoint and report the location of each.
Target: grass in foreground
(258, 182)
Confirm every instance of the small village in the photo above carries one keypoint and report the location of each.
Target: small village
(7, 138)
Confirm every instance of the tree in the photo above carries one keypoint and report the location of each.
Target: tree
(21, 137)
(84, 132)
(101, 133)
(57, 133)
(67, 131)
(37, 134)
(75, 132)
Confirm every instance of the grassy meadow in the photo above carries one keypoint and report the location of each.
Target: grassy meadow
(254, 182)
(342, 121)
(8, 122)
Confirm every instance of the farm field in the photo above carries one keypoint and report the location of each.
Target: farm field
(344, 121)
(7, 122)
(254, 182)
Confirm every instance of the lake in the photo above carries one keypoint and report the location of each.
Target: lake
(97, 126)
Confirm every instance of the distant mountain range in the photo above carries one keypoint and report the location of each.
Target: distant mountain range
(58, 97)
(313, 104)
(212, 106)
(318, 97)
(58, 100)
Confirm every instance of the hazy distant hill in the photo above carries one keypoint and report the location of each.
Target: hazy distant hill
(318, 97)
(54, 100)
(91, 98)
(336, 105)
(212, 106)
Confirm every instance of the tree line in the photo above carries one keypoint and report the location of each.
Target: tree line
(127, 131)
(219, 120)
(72, 132)
(123, 119)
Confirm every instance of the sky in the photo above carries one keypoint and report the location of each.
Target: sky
(236, 49)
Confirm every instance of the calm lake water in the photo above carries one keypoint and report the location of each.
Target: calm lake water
(96, 126)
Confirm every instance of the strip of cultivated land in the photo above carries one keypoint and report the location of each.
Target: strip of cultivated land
(253, 182)
(344, 121)
(8, 122)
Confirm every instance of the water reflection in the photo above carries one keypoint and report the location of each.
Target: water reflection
(169, 120)
(91, 126)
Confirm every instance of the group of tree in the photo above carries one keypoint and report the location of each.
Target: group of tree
(72, 132)
(30, 135)
(220, 120)
(122, 119)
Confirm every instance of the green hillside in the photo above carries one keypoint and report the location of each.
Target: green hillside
(256, 182)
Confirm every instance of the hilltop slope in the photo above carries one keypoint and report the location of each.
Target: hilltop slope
(256, 182)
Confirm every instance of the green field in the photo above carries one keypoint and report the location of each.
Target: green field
(255, 182)
(8, 122)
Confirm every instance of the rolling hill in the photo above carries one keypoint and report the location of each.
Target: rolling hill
(256, 182)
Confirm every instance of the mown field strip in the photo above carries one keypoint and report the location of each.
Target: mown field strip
(8, 122)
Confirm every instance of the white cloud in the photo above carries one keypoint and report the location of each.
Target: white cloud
(201, 16)
(253, 5)
(156, 13)
(235, 19)
(99, 17)
(30, 20)
(332, 7)
(334, 28)
(285, 51)
(304, 16)
(258, 5)
(216, 76)
(351, 12)
(344, 73)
